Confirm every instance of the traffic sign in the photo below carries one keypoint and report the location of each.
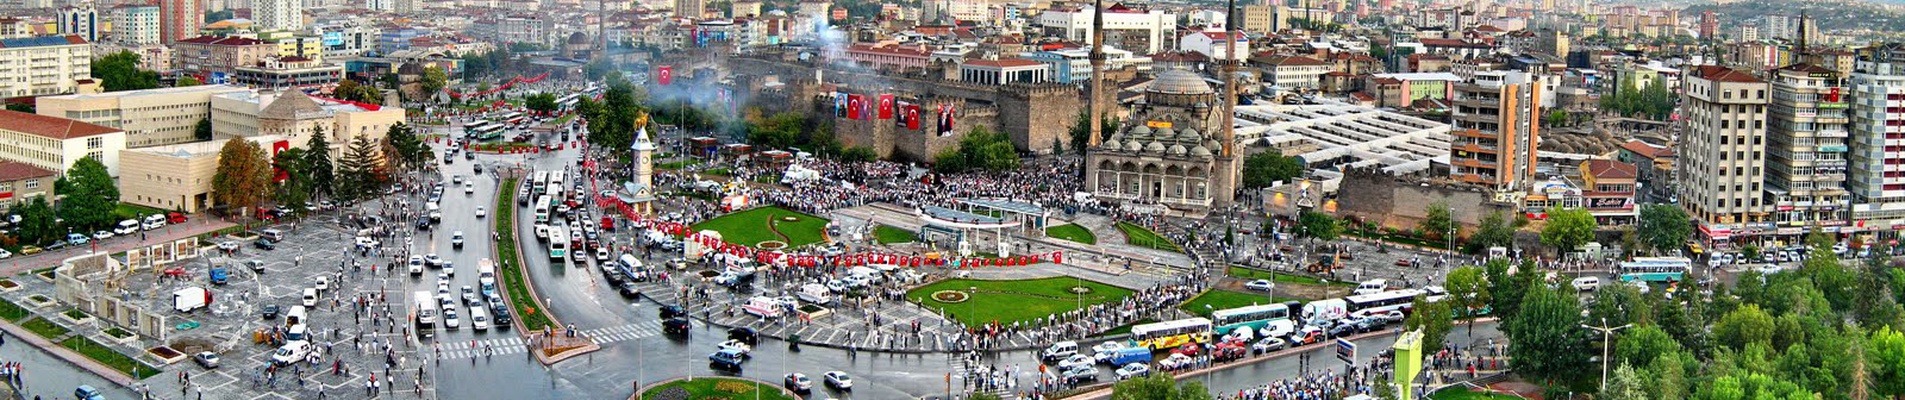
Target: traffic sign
(1346, 351)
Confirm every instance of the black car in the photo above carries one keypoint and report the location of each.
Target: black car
(499, 314)
(265, 244)
(271, 311)
(675, 326)
(628, 289)
(745, 335)
(423, 223)
(671, 312)
(255, 266)
(469, 155)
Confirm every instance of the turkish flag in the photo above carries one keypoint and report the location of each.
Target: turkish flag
(665, 75)
(886, 105)
(854, 102)
(912, 116)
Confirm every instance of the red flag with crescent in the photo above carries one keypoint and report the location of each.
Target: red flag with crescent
(886, 106)
(665, 75)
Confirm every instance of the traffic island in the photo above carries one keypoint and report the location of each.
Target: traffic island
(551, 345)
(713, 388)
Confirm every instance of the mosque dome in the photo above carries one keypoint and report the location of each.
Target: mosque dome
(1110, 144)
(1200, 151)
(1178, 81)
(1133, 146)
(1176, 150)
(1154, 147)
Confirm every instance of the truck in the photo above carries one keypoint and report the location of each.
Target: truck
(423, 314)
(219, 275)
(189, 299)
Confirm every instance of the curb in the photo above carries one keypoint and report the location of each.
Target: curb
(535, 298)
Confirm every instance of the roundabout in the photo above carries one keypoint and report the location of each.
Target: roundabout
(714, 388)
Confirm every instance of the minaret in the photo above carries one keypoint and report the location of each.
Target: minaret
(1230, 171)
(1093, 109)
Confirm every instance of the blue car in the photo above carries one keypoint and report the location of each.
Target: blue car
(74, 239)
(728, 359)
(87, 392)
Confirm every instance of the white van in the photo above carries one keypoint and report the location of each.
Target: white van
(486, 272)
(815, 293)
(292, 352)
(310, 297)
(1060, 350)
(126, 227)
(542, 232)
(1372, 286)
(763, 306)
(295, 317)
(1587, 283)
(154, 221)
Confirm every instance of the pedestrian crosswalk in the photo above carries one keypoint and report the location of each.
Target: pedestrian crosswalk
(624, 332)
(962, 370)
(516, 345)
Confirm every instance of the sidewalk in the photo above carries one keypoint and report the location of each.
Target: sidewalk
(15, 331)
(198, 224)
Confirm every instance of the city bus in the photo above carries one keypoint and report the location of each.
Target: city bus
(487, 132)
(1396, 300)
(537, 182)
(470, 128)
(554, 187)
(510, 118)
(568, 102)
(1274, 316)
(542, 209)
(558, 243)
(1656, 269)
(1171, 334)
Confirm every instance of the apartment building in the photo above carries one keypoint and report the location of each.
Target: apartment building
(1497, 117)
(1145, 31)
(1876, 164)
(44, 66)
(1806, 148)
(134, 24)
(1722, 165)
(216, 59)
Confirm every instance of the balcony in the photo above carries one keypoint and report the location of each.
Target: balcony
(1474, 163)
(1477, 148)
(1473, 178)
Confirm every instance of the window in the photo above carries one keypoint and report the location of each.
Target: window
(32, 184)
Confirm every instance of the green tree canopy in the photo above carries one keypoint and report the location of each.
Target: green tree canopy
(38, 223)
(433, 81)
(1263, 169)
(1548, 340)
(120, 71)
(361, 171)
(1744, 326)
(1438, 220)
(1468, 290)
(1434, 318)
(243, 178)
(317, 161)
(187, 81)
(979, 149)
(1318, 225)
(295, 190)
(1568, 229)
(1493, 231)
(1664, 226)
(541, 102)
(350, 90)
(88, 195)
(203, 129)
(1159, 386)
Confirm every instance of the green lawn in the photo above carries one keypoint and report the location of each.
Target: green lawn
(130, 211)
(721, 389)
(1126, 328)
(507, 268)
(1015, 300)
(678, 164)
(44, 328)
(1072, 232)
(12, 312)
(760, 224)
(1141, 236)
(105, 355)
(1460, 393)
(888, 234)
(1222, 299)
(718, 172)
(566, 118)
(1305, 280)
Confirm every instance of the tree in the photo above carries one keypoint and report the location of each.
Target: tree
(1568, 229)
(120, 71)
(202, 130)
(1642, 344)
(1549, 343)
(433, 81)
(187, 81)
(979, 149)
(243, 178)
(38, 224)
(21, 107)
(1625, 384)
(1434, 318)
(1492, 232)
(1318, 225)
(409, 150)
(1263, 169)
(350, 90)
(1744, 326)
(1468, 290)
(1664, 226)
(597, 69)
(295, 189)
(87, 195)
(317, 162)
(541, 102)
(1438, 221)
(1159, 387)
(859, 154)
(360, 173)
(1887, 350)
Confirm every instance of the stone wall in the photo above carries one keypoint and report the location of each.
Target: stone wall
(1371, 195)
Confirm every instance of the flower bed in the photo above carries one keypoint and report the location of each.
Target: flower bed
(120, 336)
(76, 317)
(166, 353)
(8, 285)
(39, 301)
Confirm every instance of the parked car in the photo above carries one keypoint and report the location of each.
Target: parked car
(1260, 285)
(1268, 344)
(265, 244)
(797, 382)
(206, 359)
(1132, 370)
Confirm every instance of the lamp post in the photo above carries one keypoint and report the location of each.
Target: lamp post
(1607, 332)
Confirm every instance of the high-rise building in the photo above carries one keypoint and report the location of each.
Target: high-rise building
(1878, 120)
(278, 15)
(1141, 31)
(134, 24)
(1497, 118)
(44, 65)
(179, 19)
(691, 8)
(1723, 158)
(1806, 147)
(1265, 18)
(80, 20)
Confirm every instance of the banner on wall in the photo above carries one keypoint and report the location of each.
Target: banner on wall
(912, 116)
(855, 104)
(886, 106)
(665, 75)
(945, 120)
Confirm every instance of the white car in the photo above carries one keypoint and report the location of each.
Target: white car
(1260, 285)
(1132, 370)
(415, 265)
(838, 380)
(1268, 344)
(736, 345)
(102, 235)
(469, 187)
(1075, 361)
(456, 239)
(479, 319)
(1386, 317)
(1175, 361)
(482, 212)
(126, 227)
(449, 318)
(449, 268)
(1107, 347)
(1587, 283)
(5, 254)
(433, 260)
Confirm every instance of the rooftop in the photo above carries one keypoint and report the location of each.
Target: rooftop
(1723, 74)
(13, 171)
(41, 41)
(50, 127)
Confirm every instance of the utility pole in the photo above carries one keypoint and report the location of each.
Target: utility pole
(1607, 334)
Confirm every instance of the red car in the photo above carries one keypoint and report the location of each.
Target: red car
(175, 218)
(608, 224)
(1402, 263)
(1189, 349)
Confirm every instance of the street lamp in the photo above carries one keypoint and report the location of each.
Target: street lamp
(1607, 332)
